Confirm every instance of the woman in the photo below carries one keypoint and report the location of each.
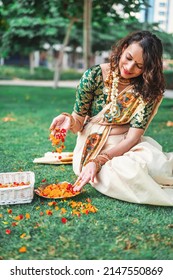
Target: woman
(115, 102)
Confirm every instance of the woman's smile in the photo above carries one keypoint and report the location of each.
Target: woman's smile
(131, 61)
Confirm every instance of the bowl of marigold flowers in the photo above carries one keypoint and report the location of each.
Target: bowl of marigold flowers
(56, 190)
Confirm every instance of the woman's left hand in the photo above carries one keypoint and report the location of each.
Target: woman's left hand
(87, 174)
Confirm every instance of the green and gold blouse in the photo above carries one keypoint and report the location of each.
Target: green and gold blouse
(91, 98)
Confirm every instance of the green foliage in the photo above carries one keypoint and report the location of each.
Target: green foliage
(40, 73)
(26, 25)
(10, 72)
(31, 23)
(70, 74)
(169, 79)
(167, 40)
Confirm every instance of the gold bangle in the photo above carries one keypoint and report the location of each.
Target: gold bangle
(108, 157)
(72, 121)
(97, 163)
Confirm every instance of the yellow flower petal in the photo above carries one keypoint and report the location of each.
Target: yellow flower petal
(22, 235)
(27, 216)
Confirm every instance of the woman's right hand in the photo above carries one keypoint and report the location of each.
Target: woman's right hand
(61, 121)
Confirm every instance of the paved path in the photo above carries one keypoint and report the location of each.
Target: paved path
(19, 82)
(72, 84)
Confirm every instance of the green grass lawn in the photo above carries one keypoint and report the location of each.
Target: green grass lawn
(118, 230)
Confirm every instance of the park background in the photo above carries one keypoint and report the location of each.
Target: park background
(56, 41)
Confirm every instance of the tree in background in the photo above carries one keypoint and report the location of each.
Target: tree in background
(29, 24)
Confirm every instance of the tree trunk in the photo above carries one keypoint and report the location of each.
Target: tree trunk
(59, 60)
(31, 63)
(87, 33)
(1, 61)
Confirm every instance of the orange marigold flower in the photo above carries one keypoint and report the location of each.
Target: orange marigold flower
(9, 211)
(19, 217)
(27, 216)
(63, 210)
(77, 213)
(52, 203)
(41, 213)
(58, 139)
(1, 215)
(73, 204)
(49, 212)
(23, 249)
(91, 208)
(60, 190)
(85, 211)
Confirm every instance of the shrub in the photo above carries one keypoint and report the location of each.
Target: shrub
(40, 73)
(169, 79)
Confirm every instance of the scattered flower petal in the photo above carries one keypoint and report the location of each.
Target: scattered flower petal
(64, 220)
(23, 249)
(169, 123)
(8, 119)
(14, 224)
(63, 210)
(49, 212)
(27, 216)
(19, 217)
(22, 235)
(5, 222)
(52, 203)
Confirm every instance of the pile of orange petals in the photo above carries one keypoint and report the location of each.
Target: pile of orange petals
(58, 139)
(60, 190)
(14, 184)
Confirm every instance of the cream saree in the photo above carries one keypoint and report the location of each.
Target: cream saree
(142, 175)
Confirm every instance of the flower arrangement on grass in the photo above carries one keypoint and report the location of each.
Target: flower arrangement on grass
(60, 190)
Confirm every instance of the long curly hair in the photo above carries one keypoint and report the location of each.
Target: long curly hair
(150, 84)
